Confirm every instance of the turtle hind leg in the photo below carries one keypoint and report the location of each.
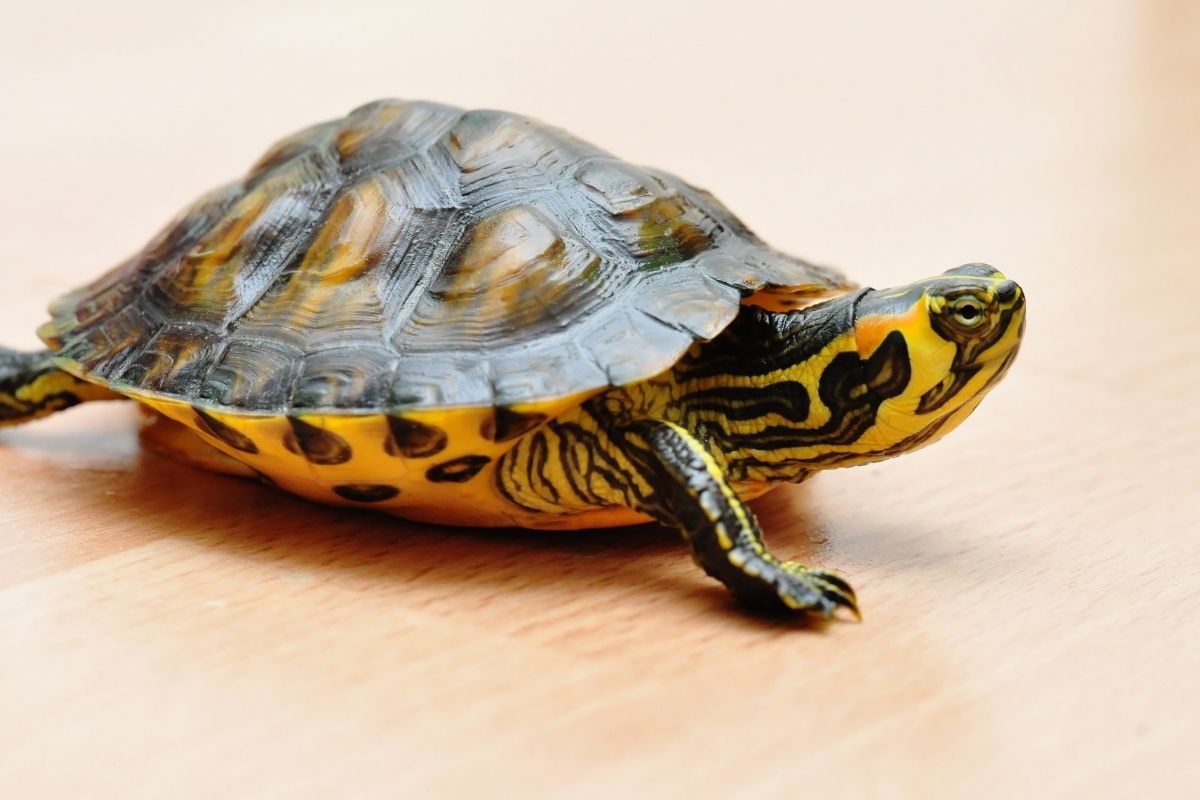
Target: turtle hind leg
(31, 386)
(692, 495)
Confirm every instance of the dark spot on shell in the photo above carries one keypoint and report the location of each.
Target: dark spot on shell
(219, 430)
(458, 470)
(413, 439)
(316, 444)
(366, 492)
(505, 424)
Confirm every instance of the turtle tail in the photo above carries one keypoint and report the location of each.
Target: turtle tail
(31, 386)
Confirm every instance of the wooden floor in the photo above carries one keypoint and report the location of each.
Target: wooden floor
(1030, 586)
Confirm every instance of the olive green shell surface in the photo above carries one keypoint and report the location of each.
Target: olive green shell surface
(415, 255)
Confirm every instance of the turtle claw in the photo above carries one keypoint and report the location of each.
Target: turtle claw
(788, 588)
(814, 591)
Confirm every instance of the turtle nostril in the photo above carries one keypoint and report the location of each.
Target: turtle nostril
(1006, 291)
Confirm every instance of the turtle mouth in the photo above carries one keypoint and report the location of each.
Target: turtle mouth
(1001, 355)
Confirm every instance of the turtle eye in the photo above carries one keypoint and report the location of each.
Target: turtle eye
(967, 311)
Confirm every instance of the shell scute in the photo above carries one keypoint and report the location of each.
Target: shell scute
(617, 187)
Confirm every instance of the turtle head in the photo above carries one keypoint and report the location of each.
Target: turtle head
(855, 379)
(933, 349)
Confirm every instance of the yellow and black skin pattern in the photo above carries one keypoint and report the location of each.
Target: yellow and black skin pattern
(31, 386)
(472, 318)
(776, 397)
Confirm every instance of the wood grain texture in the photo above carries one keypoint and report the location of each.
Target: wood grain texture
(1031, 585)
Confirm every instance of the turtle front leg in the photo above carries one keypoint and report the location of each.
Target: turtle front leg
(689, 492)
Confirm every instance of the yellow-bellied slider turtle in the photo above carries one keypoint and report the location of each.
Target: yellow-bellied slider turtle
(469, 317)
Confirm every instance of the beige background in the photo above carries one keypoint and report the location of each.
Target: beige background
(1030, 586)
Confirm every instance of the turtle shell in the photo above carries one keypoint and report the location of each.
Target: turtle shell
(415, 255)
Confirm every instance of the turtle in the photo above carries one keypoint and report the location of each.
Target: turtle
(469, 317)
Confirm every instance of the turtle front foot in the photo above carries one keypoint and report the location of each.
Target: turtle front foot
(793, 588)
(693, 495)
